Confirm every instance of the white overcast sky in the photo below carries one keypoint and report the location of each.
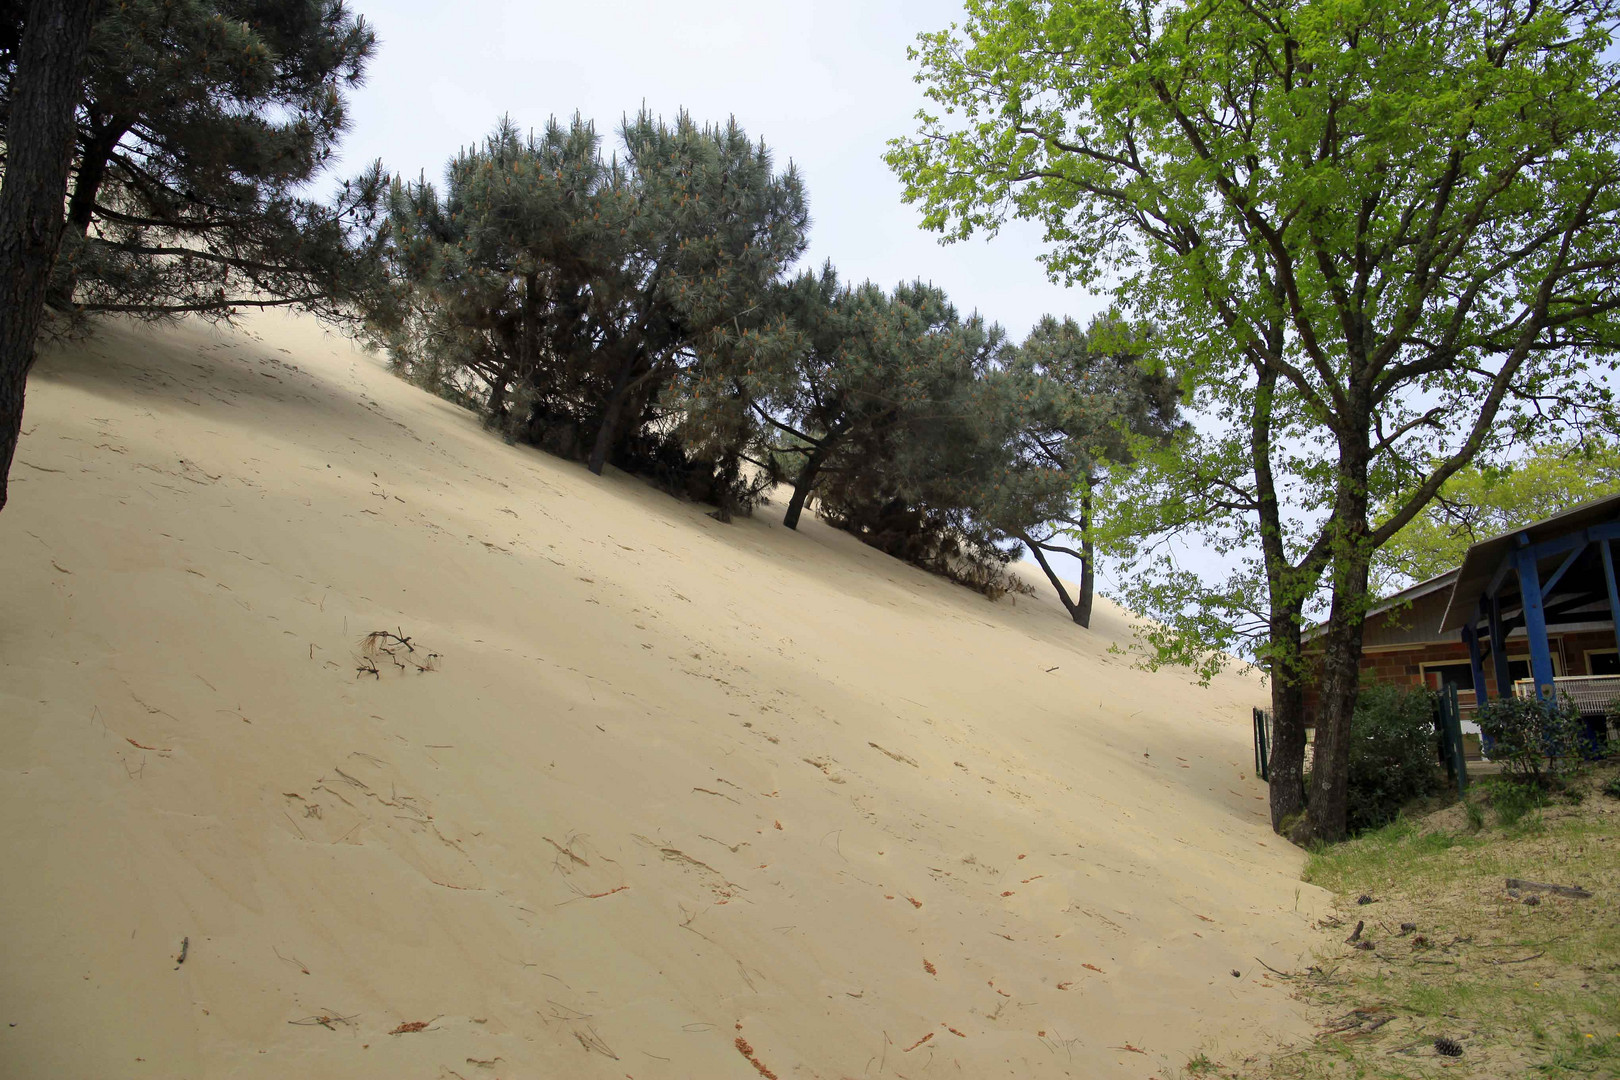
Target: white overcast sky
(826, 84)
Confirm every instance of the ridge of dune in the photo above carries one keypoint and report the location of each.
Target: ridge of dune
(679, 798)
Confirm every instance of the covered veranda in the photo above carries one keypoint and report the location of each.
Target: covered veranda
(1553, 576)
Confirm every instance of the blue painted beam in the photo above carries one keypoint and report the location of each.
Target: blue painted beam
(1499, 657)
(1535, 622)
(1471, 637)
(1614, 595)
(1563, 568)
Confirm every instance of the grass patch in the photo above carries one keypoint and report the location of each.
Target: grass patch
(1522, 989)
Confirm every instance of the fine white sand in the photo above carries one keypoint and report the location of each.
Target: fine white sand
(679, 795)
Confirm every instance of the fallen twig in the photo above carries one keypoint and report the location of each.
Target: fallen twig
(1520, 960)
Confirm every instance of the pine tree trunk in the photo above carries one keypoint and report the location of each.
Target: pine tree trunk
(1057, 583)
(40, 130)
(806, 480)
(1088, 561)
(81, 210)
(608, 433)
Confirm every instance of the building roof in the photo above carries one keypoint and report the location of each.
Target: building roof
(1394, 600)
(1480, 564)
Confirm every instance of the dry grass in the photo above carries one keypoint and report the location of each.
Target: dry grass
(1525, 989)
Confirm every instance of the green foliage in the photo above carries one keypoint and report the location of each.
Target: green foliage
(1073, 404)
(1611, 787)
(202, 122)
(1483, 501)
(1392, 754)
(594, 306)
(1380, 241)
(1513, 801)
(1532, 737)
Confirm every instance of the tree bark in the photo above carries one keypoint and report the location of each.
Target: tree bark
(608, 433)
(1341, 653)
(40, 129)
(1081, 618)
(806, 480)
(1088, 561)
(81, 209)
(1287, 758)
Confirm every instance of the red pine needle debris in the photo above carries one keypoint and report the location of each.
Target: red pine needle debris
(748, 1052)
(1037, 877)
(918, 1043)
(610, 892)
(1021, 856)
(1128, 1046)
(1007, 893)
(143, 746)
(1064, 985)
(778, 824)
(928, 967)
(914, 901)
(1094, 967)
(410, 1028)
(953, 1031)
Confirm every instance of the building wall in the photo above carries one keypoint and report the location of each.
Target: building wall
(1404, 666)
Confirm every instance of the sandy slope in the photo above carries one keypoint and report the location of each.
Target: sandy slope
(675, 784)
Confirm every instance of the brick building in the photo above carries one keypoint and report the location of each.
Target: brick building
(1539, 600)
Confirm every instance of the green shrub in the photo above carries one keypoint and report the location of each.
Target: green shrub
(1392, 753)
(1532, 737)
(1512, 801)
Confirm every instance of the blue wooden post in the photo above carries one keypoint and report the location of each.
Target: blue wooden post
(1471, 636)
(1614, 596)
(1499, 657)
(1535, 620)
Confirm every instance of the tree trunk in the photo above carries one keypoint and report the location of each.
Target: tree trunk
(81, 210)
(1088, 561)
(1286, 762)
(1081, 618)
(40, 130)
(1341, 652)
(1341, 681)
(806, 480)
(608, 433)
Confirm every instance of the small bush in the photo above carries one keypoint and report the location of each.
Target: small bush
(1392, 754)
(1532, 737)
(1512, 801)
(1612, 788)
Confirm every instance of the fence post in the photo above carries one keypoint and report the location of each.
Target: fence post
(1451, 737)
(1262, 758)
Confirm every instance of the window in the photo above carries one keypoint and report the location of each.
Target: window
(1460, 675)
(1603, 662)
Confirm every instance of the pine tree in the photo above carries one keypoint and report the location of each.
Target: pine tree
(42, 63)
(1072, 402)
(199, 125)
(584, 301)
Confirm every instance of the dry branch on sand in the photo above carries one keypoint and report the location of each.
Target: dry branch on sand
(397, 649)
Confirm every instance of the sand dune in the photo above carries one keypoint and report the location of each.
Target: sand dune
(681, 799)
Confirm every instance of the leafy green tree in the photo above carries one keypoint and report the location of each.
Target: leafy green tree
(200, 124)
(1481, 501)
(1382, 241)
(42, 61)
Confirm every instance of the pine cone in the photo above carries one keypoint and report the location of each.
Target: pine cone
(1447, 1047)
